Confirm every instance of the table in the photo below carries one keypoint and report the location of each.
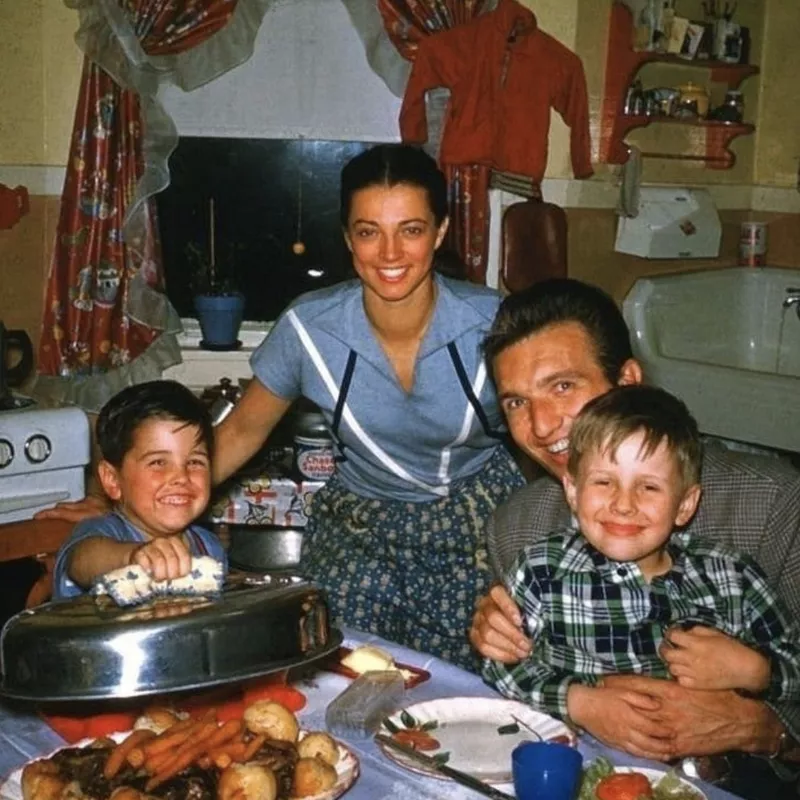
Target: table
(24, 736)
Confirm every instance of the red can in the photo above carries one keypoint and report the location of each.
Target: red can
(753, 244)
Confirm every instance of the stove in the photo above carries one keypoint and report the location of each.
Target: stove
(43, 456)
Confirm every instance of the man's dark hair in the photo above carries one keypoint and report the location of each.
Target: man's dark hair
(390, 165)
(560, 300)
(122, 415)
(610, 419)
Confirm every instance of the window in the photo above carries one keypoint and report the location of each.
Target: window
(268, 194)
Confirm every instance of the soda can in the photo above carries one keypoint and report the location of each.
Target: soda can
(753, 244)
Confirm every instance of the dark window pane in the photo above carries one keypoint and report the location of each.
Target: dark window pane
(261, 189)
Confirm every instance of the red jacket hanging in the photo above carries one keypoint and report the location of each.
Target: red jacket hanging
(504, 75)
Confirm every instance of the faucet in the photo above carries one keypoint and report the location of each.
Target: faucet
(792, 299)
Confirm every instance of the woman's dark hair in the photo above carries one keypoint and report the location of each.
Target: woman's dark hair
(390, 165)
(558, 300)
(122, 415)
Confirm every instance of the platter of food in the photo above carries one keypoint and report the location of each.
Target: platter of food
(475, 735)
(354, 662)
(604, 781)
(262, 756)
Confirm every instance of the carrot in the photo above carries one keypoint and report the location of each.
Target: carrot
(154, 764)
(204, 762)
(233, 750)
(172, 737)
(222, 761)
(225, 732)
(172, 768)
(119, 754)
(254, 746)
(198, 740)
(136, 757)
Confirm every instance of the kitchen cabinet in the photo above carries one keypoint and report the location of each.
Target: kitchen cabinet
(622, 65)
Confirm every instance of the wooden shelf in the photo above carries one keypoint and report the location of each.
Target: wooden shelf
(622, 64)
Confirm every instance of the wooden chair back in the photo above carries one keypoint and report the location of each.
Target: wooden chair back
(38, 539)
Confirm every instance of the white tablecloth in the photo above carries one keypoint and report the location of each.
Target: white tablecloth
(24, 736)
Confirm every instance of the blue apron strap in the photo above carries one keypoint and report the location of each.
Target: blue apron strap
(337, 414)
(467, 387)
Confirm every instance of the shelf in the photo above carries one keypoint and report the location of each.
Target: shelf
(623, 63)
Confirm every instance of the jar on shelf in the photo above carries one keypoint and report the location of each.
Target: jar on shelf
(693, 99)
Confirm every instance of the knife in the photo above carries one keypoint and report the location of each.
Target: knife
(432, 764)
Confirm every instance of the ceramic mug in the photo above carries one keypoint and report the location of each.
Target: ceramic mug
(546, 770)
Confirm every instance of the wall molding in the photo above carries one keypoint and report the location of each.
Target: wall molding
(565, 192)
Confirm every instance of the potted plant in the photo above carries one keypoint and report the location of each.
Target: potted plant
(218, 303)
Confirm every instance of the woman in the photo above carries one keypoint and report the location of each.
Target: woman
(393, 359)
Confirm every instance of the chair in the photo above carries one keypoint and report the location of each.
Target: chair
(38, 539)
(534, 244)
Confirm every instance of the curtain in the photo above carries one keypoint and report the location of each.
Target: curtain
(107, 322)
(406, 22)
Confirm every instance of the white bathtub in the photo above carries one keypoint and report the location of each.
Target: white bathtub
(723, 341)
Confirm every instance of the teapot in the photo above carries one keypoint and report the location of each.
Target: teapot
(18, 341)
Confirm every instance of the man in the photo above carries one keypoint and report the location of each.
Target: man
(552, 349)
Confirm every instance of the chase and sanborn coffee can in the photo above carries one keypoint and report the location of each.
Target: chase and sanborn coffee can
(313, 447)
(753, 244)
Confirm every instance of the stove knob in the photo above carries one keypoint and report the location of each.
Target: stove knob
(6, 453)
(38, 449)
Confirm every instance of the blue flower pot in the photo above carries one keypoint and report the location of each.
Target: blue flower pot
(220, 317)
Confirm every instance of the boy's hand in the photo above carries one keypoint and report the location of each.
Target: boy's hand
(164, 558)
(705, 658)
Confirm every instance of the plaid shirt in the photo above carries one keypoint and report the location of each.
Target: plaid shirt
(750, 504)
(589, 616)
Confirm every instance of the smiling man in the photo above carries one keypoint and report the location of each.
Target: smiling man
(553, 348)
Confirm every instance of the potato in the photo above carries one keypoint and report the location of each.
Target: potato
(312, 776)
(156, 719)
(41, 780)
(247, 782)
(272, 719)
(321, 745)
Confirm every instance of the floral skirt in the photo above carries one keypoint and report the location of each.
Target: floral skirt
(409, 572)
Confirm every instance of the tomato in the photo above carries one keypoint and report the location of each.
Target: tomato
(71, 729)
(419, 740)
(289, 697)
(624, 786)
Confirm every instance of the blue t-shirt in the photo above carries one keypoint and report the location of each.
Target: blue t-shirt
(115, 526)
(401, 445)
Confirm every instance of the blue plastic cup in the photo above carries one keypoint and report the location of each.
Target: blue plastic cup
(546, 771)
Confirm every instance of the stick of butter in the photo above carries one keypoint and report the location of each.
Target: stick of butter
(369, 658)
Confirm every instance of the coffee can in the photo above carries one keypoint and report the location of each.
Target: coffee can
(753, 244)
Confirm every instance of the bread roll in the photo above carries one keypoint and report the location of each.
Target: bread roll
(247, 782)
(320, 745)
(312, 776)
(272, 719)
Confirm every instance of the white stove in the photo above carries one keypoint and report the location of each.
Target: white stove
(43, 455)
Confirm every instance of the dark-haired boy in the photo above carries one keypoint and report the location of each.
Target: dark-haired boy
(155, 441)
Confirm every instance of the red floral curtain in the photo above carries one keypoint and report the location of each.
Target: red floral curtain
(406, 22)
(88, 327)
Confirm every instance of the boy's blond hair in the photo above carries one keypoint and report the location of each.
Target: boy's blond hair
(612, 418)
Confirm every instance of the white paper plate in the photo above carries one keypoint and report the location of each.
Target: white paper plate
(655, 775)
(467, 729)
(347, 771)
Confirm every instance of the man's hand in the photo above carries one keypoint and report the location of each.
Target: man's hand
(705, 658)
(164, 558)
(496, 630)
(705, 722)
(78, 510)
(621, 718)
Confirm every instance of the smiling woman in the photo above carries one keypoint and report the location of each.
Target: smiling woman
(393, 359)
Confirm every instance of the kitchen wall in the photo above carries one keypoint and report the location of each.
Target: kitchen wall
(40, 67)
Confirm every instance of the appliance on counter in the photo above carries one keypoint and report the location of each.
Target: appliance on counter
(43, 455)
(673, 222)
(11, 341)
